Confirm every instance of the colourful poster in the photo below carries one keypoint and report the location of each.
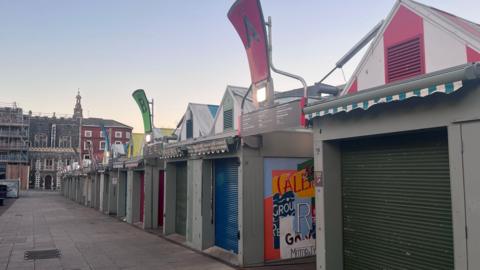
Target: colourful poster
(289, 208)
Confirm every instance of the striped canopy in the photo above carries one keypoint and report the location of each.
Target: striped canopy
(446, 88)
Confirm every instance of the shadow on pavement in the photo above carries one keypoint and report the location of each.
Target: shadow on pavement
(6, 204)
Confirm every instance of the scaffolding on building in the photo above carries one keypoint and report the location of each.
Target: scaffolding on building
(14, 137)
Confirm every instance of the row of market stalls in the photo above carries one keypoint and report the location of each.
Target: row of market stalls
(121, 188)
(246, 200)
(241, 198)
(383, 176)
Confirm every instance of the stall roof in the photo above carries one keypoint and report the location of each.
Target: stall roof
(445, 81)
(134, 162)
(214, 144)
(460, 28)
(203, 115)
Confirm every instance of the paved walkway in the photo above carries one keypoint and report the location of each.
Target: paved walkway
(86, 238)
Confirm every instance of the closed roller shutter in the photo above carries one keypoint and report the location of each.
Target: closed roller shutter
(396, 203)
(161, 177)
(226, 204)
(181, 199)
(142, 196)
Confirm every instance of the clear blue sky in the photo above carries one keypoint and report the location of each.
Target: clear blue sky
(179, 51)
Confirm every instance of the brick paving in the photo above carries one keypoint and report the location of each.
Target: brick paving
(88, 239)
(6, 205)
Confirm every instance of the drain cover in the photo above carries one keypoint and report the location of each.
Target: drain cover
(42, 254)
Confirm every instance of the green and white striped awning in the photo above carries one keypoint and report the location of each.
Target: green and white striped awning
(446, 88)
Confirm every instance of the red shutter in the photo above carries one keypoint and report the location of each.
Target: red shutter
(405, 60)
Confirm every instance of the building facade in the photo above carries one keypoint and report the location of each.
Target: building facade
(14, 130)
(93, 139)
(54, 143)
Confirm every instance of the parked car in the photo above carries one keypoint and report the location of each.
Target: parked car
(3, 193)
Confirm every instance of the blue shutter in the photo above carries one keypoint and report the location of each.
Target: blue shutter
(226, 204)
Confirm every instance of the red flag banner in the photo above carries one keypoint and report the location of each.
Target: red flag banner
(247, 18)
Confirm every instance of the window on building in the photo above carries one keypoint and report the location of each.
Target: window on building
(40, 140)
(118, 134)
(88, 133)
(49, 164)
(86, 156)
(102, 145)
(228, 119)
(65, 141)
(101, 134)
(87, 144)
(118, 142)
(53, 135)
(127, 135)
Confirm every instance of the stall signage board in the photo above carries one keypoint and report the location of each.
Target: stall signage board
(276, 118)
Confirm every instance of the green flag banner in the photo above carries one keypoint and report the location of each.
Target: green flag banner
(142, 101)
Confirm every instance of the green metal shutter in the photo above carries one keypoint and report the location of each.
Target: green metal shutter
(396, 203)
(181, 199)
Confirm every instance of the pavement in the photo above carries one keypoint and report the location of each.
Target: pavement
(88, 239)
(6, 205)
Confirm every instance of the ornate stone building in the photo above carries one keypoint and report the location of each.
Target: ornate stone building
(54, 143)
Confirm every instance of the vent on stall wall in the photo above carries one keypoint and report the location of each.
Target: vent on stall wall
(189, 129)
(228, 119)
(405, 60)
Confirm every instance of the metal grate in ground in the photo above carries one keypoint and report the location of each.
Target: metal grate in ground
(42, 254)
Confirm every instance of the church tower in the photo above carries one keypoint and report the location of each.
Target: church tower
(78, 111)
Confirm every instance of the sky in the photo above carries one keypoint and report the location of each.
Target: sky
(178, 51)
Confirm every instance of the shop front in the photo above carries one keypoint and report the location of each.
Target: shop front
(393, 174)
(250, 201)
(135, 191)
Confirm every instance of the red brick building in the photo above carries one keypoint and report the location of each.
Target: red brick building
(92, 134)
